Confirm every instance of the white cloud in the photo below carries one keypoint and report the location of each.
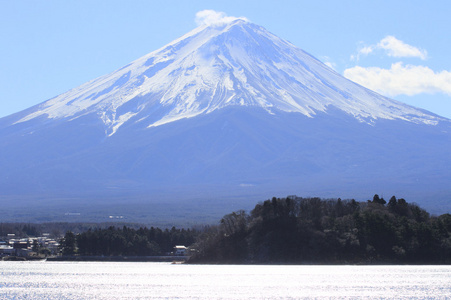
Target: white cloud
(398, 48)
(212, 17)
(366, 50)
(399, 79)
(392, 47)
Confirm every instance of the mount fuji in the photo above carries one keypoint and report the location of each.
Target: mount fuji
(226, 115)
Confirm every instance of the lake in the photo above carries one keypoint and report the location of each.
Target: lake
(138, 280)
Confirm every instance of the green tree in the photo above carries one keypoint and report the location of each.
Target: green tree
(378, 200)
(68, 244)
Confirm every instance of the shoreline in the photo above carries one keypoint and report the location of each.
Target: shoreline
(121, 258)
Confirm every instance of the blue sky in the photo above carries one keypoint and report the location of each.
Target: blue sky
(399, 48)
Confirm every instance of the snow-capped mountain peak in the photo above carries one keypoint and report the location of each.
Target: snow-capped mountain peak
(235, 63)
(229, 113)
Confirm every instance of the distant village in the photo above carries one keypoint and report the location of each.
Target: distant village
(43, 247)
(28, 248)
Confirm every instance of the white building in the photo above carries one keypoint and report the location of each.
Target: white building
(179, 250)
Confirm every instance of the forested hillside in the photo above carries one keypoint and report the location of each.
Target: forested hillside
(312, 230)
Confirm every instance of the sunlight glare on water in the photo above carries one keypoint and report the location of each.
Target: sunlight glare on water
(121, 280)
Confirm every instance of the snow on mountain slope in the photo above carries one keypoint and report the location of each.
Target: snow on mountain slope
(236, 63)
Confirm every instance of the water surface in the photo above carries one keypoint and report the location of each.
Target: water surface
(137, 280)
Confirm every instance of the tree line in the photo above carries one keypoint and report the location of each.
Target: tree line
(125, 241)
(314, 230)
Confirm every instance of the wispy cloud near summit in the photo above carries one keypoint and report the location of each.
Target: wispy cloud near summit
(212, 17)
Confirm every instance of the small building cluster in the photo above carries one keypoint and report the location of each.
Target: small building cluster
(28, 247)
